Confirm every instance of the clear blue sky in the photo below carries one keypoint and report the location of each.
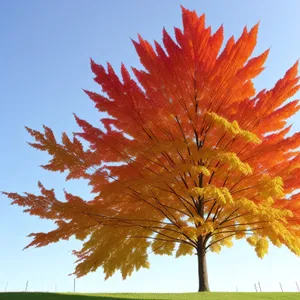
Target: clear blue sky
(44, 64)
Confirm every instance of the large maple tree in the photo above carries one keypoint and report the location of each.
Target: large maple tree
(191, 158)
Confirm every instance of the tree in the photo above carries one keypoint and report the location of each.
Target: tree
(191, 157)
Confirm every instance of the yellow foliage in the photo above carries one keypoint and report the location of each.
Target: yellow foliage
(221, 195)
(215, 248)
(240, 235)
(247, 205)
(275, 239)
(262, 247)
(233, 128)
(229, 158)
(196, 219)
(252, 240)
(189, 231)
(162, 247)
(190, 168)
(206, 228)
(269, 201)
(184, 249)
(196, 170)
(272, 187)
(227, 242)
(234, 162)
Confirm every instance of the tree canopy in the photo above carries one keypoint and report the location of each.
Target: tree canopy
(191, 156)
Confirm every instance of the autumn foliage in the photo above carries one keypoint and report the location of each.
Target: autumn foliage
(192, 157)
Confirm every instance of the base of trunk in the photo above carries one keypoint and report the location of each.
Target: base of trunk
(202, 268)
(203, 290)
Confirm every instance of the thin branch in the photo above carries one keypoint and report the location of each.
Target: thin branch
(240, 230)
(159, 239)
(244, 224)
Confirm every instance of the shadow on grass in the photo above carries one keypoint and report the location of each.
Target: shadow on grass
(57, 296)
(150, 296)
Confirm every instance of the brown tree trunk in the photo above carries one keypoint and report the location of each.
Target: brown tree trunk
(202, 268)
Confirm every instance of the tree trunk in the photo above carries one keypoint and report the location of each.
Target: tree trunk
(202, 268)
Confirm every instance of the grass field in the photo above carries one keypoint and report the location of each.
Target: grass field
(132, 296)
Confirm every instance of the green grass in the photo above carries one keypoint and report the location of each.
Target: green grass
(152, 296)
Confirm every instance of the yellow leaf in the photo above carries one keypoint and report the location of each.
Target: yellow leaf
(184, 249)
(215, 248)
(262, 247)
